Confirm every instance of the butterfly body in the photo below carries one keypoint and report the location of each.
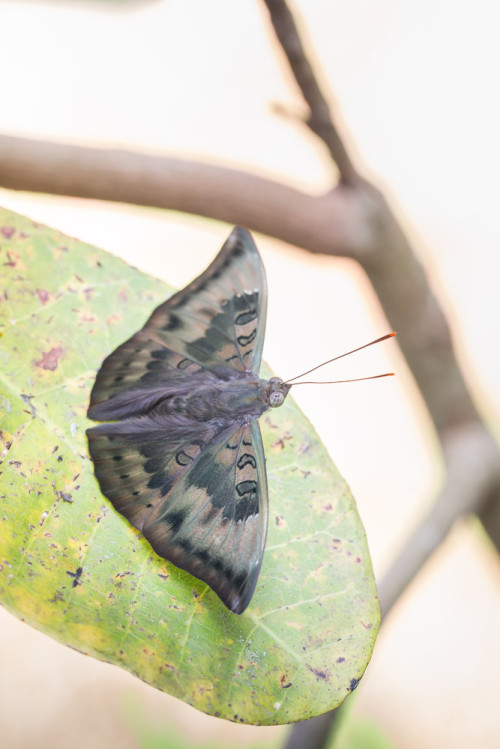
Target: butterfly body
(181, 456)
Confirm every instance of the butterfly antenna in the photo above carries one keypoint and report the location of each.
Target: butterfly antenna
(378, 340)
(334, 382)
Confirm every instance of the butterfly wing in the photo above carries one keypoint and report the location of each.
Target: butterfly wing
(215, 323)
(200, 500)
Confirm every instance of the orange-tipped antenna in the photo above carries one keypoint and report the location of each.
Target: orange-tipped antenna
(335, 382)
(378, 340)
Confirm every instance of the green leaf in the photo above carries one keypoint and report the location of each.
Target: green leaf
(75, 569)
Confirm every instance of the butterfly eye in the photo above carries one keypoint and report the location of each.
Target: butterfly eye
(276, 398)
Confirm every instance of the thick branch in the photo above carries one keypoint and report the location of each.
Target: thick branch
(319, 120)
(193, 187)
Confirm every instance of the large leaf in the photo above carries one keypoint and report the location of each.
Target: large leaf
(75, 569)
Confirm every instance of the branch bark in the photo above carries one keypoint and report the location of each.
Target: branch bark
(237, 197)
(319, 120)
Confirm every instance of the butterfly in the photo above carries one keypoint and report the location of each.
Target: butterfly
(180, 454)
(183, 459)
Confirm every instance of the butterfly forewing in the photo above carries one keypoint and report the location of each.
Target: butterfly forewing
(216, 321)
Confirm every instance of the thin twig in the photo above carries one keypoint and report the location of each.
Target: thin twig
(319, 120)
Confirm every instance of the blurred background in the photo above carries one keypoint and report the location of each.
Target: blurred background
(416, 87)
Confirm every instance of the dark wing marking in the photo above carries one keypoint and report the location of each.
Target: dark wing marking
(215, 323)
(200, 499)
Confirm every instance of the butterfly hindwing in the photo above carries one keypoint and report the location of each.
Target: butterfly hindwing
(217, 321)
(200, 501)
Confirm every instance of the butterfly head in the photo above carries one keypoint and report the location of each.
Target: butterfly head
(278, 390)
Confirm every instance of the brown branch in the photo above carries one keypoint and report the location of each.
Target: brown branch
(315, 222)
(319, 120)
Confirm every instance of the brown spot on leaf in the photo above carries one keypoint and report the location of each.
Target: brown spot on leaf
(113, 319)
(11, 260)
(280, 521)
(320, 675)
(50, 359)
(280, 443)
(76, 576)
(7, 231)
(27, 400)
(43, 295)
